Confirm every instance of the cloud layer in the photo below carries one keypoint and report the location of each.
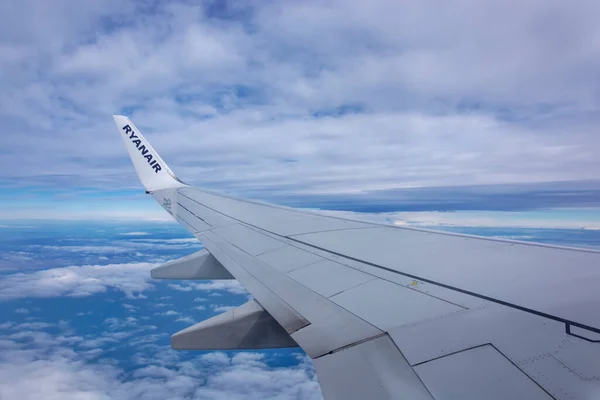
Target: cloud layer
(61, 371)
(78, 281)
(295, 98)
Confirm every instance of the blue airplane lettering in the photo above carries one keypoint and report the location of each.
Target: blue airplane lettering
(142, 148)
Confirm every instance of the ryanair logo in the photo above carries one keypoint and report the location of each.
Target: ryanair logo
(142, 148)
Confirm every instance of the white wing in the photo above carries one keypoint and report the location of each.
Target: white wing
(391, 312)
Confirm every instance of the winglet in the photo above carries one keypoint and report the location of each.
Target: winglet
(154, 173)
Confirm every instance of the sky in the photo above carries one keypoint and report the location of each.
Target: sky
(413, 105)
(469, 116)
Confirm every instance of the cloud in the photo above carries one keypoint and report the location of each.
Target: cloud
(587, 219)
(231, 286)
(179, 287)
(169, 241)
(77, 281)
(22, 311)
(32, 326)
(114, 323)
(315, 98)
(220, 308)
(60, 372)
(214, 287)
(168, 313)
(134, 234)
(127, 246)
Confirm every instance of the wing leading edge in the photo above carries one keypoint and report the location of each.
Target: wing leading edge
(388, 312)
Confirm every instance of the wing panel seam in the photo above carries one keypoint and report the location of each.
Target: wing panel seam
(481, 296)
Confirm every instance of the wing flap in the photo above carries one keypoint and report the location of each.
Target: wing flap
(374, 369)
(287, 317)
(329, 325)
(478, 373)
(246, 327)
(200, 265)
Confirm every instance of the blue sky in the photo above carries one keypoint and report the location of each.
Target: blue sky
(478, 117)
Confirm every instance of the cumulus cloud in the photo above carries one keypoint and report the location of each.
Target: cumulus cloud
(180, 288)
(127, 246)
(213, 287)
(60, 372)
(78, 281)
(35, 326)
(168, 313)
(221, 308)
(231, 286)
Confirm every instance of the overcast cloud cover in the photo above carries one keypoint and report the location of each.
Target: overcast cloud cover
(278, 99)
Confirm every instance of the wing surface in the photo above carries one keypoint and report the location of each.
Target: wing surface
(393, 312)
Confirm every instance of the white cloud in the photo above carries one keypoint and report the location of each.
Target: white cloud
(32, 326)
(168, 313)
(114, 323)
(127, 246)
(134, 234)
(200, 308)
(180, 287)
(22, 311)
(170, 241)
(221, 308)
(77, 281)
(553, 219)
(61, 373)
(231, 286)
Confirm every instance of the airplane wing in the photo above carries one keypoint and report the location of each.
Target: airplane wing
(387, 312)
